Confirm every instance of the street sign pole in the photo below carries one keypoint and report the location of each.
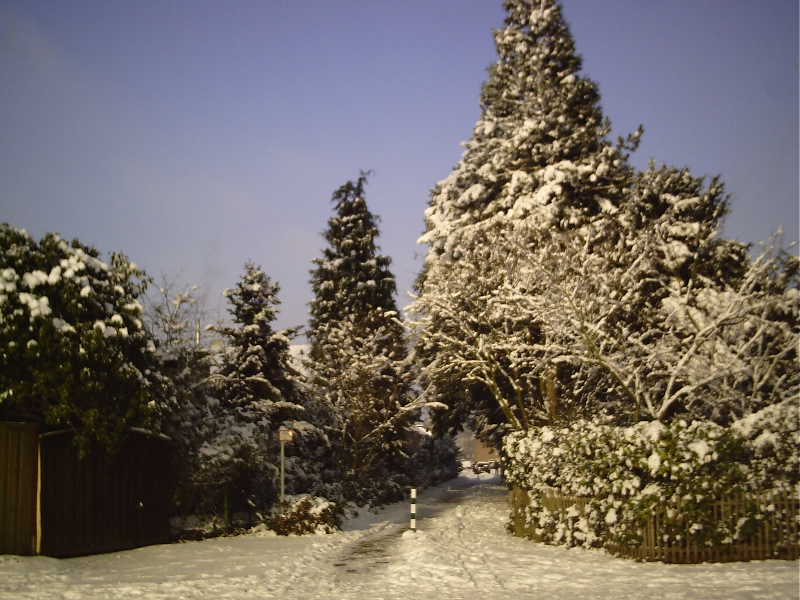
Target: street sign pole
(284, 435)
(282, 470)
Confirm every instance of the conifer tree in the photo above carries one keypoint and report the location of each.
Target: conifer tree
(257, 393)
(539, 154)
(688, 216)
(352, 279)
(357, 363)
(256, 373)
(539, 169)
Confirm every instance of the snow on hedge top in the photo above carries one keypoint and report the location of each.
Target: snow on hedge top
(53, 278)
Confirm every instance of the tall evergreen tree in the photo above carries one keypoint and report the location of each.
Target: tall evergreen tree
(257, 393)
(357, 361)
(540, 161)
(539, 154)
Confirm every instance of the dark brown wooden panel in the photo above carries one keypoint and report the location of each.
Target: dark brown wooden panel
(18, 482)
(101, 502)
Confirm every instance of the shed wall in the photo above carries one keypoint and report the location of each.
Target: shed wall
(18, 483)
(104, 502)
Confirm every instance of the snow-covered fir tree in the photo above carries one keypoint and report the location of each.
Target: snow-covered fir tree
(357, 363)
(540, 147)
(73, 349)
(539, 153)
(538, 181)
(256, 371)
(257, 391)
(687, 214)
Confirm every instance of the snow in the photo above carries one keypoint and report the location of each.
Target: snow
(701, 448)
(35, 278)
(62, 326)
(460, 551)
(652, 430)
(55, 275)
(39, 307)
(134, 307)
(766, 439)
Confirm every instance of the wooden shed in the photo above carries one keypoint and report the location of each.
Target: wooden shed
(54, 502)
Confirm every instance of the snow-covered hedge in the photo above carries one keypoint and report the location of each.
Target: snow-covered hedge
(74, 351)
(680, 469)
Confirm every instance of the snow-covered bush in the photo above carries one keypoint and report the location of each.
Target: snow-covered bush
(773, 434)
(626, 475)
(73, 348)
(301, 515)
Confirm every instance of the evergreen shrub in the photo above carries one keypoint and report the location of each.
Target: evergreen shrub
(301, 515)
(680, 469)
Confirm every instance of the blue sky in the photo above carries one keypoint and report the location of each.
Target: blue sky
(196, 135)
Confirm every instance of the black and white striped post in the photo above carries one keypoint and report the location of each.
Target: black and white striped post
(414, 510)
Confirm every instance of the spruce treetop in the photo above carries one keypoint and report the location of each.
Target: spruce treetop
(254, 300)
(257, 366)
(539, 150)
(352, 279)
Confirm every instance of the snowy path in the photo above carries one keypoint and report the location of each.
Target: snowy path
(460, 552)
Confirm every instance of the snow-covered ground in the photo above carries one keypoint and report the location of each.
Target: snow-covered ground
(461, 551)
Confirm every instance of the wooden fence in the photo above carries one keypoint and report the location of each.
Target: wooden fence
(56, 503)
(102, 502)
(19, 464)
(766, 541)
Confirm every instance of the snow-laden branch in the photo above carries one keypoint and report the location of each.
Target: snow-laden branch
(608, 314)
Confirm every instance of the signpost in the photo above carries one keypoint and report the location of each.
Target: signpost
(284, 435)
(414, 510)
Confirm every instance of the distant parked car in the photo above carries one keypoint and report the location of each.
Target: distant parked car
(487, 466)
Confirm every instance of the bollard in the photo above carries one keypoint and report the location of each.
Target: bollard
(414, 510)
